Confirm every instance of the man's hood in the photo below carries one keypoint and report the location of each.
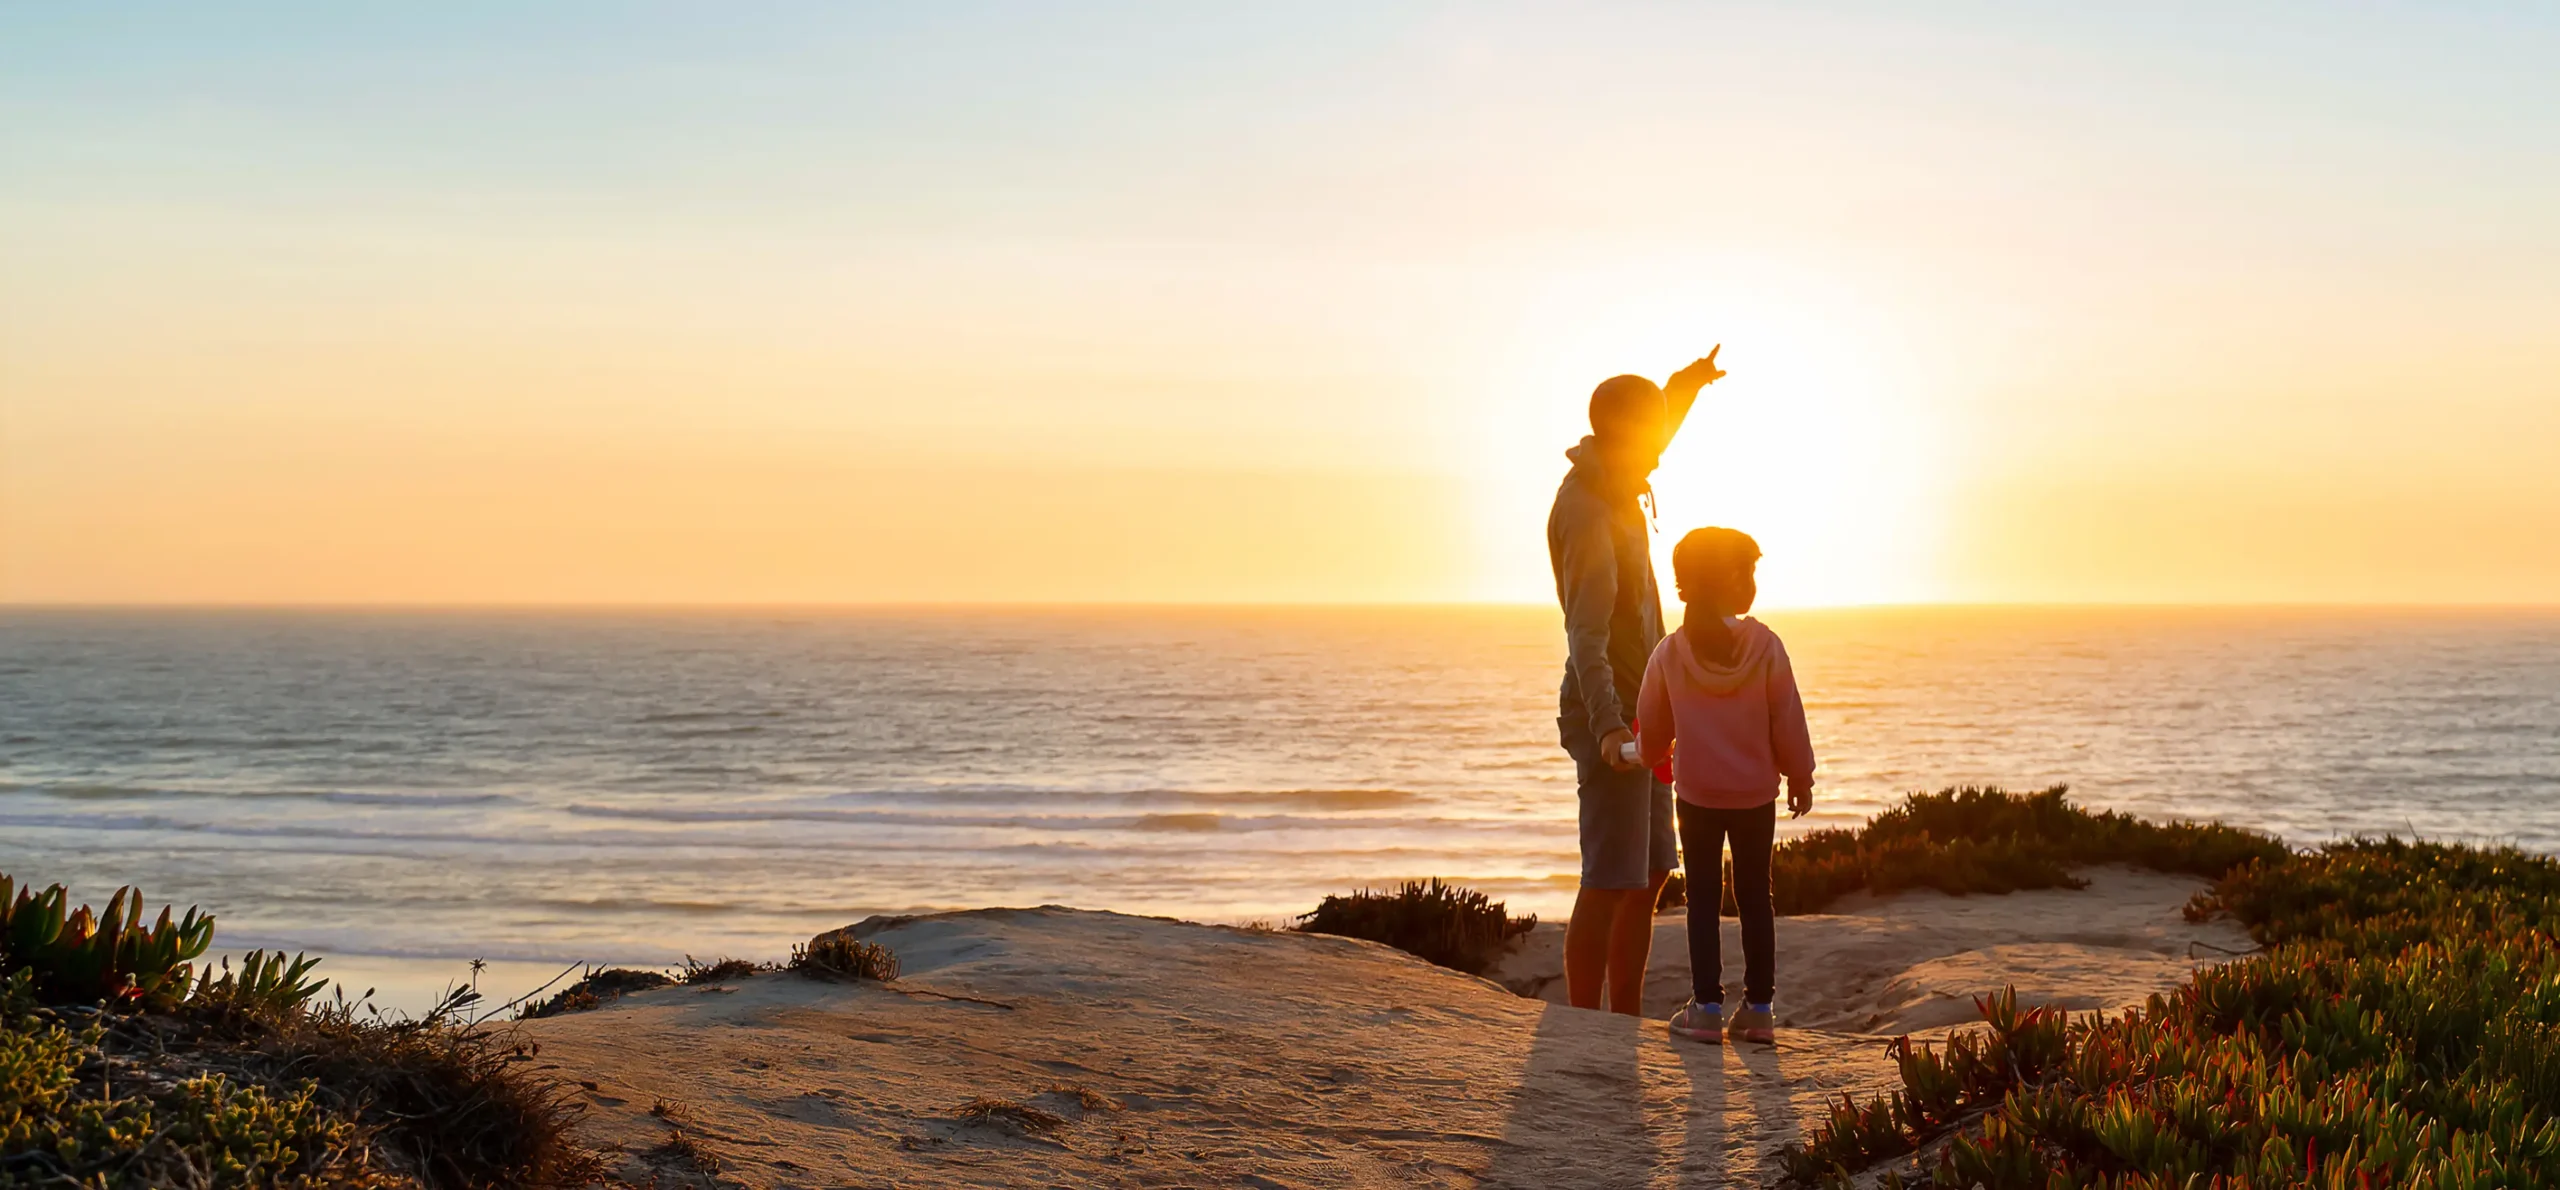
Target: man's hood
(1591, 469)
(1754, 645)
(1585, 454)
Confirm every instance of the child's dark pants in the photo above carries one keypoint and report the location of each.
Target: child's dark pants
(1703, 833)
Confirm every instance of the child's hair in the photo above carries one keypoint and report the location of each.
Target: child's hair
(1703, 557)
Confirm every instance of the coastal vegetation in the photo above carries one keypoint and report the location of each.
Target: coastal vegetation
(1458, 928)
(1959, 841)
(595, 989)
(2401, 1029)
(1984, 840)
(602, 986)
(1970, 840)
(127, 1062)
(839, 955)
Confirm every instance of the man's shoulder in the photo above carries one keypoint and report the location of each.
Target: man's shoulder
(1577, 505)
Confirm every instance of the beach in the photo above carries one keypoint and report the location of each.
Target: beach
(1035, 595)
(405, 793)
(1053, 1046)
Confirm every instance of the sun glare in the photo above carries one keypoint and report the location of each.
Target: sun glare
(1817, 444)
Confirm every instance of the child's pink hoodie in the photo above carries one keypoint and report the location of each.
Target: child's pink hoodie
(1740, 727)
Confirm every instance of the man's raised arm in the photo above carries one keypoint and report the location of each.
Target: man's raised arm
(1681, 391)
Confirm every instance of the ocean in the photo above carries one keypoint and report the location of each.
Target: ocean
(406, 791)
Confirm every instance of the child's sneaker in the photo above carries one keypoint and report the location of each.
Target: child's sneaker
(1754, 1023)
(1699, 1022)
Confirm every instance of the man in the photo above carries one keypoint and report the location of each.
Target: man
(1599, 541)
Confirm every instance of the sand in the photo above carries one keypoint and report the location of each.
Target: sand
(1153, 1052)
(1915, 961)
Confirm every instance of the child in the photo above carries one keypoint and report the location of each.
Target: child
(1722, 688)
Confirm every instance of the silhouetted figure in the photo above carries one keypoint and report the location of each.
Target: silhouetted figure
(1599, 539)
(1720, 705)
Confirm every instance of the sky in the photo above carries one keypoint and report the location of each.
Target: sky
(631, 303)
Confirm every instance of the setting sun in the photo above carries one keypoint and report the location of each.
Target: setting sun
(1343, 593)
(1820, 444)
(542, 341)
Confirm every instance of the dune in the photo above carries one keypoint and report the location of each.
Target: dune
(1053, 1046)
(1915, 961)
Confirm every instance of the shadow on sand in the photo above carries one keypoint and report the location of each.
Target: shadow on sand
(1579, 1116)
(1738, 1113)
(1610, 1101)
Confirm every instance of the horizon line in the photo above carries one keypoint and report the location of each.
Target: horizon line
(1233, 604)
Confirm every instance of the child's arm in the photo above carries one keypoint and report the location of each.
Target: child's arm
(1790, 740)
(1653, 711)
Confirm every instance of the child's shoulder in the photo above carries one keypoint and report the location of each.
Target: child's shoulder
(1749, 624)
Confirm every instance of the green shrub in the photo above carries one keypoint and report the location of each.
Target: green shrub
(718, 969)
(596, 989)
(1975, 840)
(839, 955)
(1675, 893)
(117, 1071)
(445, 1102)
(2403, 1031)
(63, 1123)
(1457, 928)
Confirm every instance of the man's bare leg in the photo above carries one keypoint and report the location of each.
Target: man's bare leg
(1610, 939)
(1586, 944)
(1631, 946)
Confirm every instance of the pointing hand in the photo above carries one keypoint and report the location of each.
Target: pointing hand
(1700, 374)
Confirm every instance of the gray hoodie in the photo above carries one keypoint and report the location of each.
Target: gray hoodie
(1601, 547)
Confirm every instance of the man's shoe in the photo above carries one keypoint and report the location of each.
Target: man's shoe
(1754, 1023)
(1699, 1022)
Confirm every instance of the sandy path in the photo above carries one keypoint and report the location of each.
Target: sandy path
(1916, 960)
(1241, 1058)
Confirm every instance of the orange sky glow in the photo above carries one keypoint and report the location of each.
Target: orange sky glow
(1301, 306)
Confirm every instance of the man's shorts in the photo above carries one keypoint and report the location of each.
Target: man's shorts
(1628, 836)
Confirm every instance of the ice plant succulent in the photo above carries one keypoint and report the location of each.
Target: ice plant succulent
(2404, 1031)
(82, 956)
(118, 1070)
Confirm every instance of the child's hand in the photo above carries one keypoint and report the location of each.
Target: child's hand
(1799, 798)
